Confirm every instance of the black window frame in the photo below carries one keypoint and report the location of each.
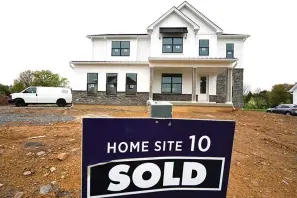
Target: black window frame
(115, 84)
(171, 83)
(172, 45)
(88, 83)
(128, 84)
(228, 50)
(205, 84)
(202, 46)
(120, 49)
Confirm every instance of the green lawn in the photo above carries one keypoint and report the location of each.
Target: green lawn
(260, 110)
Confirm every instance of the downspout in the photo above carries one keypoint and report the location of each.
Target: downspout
(105, 49)
(137, 48)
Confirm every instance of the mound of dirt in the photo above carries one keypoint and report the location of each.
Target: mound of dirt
(3, 100)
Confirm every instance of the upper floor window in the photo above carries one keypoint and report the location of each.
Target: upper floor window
(172, 45)
(229, 50)
(203, 47)
(120, 48)
(171, 83)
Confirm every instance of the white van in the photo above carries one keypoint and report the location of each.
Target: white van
(42, 95)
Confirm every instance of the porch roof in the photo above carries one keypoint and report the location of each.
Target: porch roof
(191, 62)
(73, 64)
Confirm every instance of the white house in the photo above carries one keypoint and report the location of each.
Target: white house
(183, 57)
(294, 92)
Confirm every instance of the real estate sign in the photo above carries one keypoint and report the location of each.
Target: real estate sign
(156, 157)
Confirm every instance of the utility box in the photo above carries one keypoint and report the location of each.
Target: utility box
(161, 109)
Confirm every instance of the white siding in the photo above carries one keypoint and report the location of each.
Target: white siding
(295, 97)
(102, 50)
(99, 49)
(80, 81)
(190, 47)
(213, 85)
(204, 28)
(143, 49)
(238, 49)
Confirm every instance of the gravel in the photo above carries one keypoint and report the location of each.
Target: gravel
(34, 119)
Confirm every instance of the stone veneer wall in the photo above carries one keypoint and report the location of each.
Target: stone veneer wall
(81, 97)
(237, 99)
(237, 88)
(172, 97)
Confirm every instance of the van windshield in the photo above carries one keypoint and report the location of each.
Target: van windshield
(30, 90)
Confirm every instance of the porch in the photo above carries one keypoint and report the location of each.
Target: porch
(190, 81)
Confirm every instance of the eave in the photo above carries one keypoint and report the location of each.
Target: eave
(73, 64)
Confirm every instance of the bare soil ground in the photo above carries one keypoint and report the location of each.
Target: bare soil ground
(264, 160)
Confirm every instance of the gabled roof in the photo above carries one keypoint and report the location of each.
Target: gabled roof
(116, 35)
(200, 15)
(293, 88)
(179, 13)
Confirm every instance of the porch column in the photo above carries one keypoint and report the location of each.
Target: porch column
(207, 88)
(151, 83)
(194, 82)
(229, 86)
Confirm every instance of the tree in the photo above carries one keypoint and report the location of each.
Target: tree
(47, 78)
(4, 90)
(258, 90)
(44, 78)
(279, 94)
(17, 87)
(247, 97)
(246, 89)
(25, 78)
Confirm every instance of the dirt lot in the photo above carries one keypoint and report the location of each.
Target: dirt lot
(264, 161)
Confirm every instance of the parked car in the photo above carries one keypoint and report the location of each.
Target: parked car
(42, 95)
(287, 109)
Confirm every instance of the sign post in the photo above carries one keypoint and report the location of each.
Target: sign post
(135, 157)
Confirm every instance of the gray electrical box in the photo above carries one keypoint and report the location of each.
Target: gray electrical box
(161, 109)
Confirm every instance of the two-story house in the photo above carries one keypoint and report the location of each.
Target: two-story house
(184, 58)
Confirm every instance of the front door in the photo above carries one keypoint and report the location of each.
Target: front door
(202, 94)
(30, 95)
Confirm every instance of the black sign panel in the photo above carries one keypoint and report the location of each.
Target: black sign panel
(156, 158)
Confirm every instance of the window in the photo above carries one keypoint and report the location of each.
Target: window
(203, 47)
(111, 84)
(172, 45)
(131, 84)
(120, 48)
(229, 50)
(30, 90)
(92, 83)
(284, 107)
(172, 83)
(203, 85)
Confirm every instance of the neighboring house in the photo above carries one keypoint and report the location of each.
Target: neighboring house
(184, 57)
(294, 92)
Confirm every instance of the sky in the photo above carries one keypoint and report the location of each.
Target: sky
(40, 35)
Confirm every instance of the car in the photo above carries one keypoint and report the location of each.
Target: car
(42, 95)
(286, 109)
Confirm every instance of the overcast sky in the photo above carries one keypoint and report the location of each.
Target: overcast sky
(48, 34)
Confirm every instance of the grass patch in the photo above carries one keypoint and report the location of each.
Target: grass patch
(259, 110)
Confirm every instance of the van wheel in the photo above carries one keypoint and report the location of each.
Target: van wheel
(61, 102)
(288, 113)
(19, 103)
